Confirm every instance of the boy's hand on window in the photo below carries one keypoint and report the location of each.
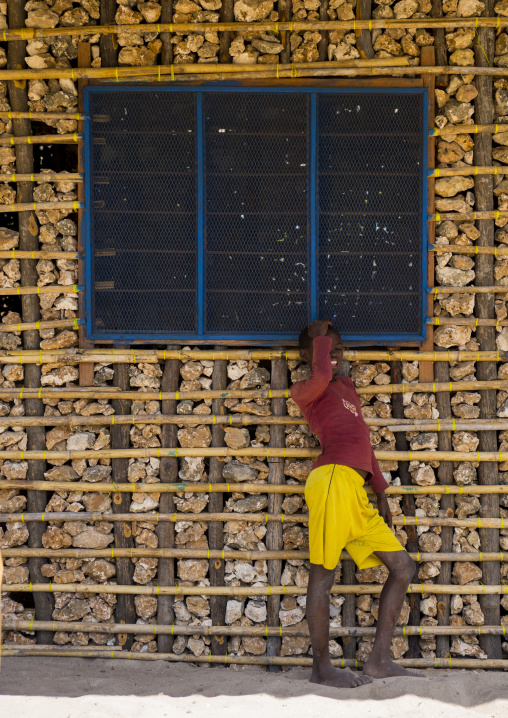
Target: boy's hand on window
(383, 508)
(318, 328)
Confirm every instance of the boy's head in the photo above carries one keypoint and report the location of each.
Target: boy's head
(336, 350)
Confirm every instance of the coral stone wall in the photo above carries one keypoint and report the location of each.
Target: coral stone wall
(58, 230)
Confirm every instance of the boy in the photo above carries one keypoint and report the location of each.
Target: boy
(340, 515)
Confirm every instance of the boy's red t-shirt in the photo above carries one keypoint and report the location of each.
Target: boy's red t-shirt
(332, 410)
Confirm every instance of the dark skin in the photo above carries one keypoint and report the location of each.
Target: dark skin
(401, 569)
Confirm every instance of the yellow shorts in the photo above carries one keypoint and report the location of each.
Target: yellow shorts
(341, 516)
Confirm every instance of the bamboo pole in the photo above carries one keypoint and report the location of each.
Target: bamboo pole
(458, 249)
(498, 289)
(394, 425)
(70, 138)
(37, 206)
(28, 33)
(465, 322)
(227, 555)
(265, 453)
(468, 170)
(48, 289)
(43, 177)
(468, 216)
(360, 589)
(29, 326)
(432, 387)
(8, 114)
(472, 663)
(349, 67)
(397, 66)
(21, 624)
(265, 518)
(37, 254)
(107, 487)
(469, 128)
(152, 356)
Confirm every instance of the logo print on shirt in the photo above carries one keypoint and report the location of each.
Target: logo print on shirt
(351, 407)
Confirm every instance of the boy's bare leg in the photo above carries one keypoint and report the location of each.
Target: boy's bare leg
(318, 618)
(402, 568)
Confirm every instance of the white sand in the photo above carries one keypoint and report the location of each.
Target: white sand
(97, 688)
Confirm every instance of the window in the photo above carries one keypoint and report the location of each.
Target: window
(221, 212)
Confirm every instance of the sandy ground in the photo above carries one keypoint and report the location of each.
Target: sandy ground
(99, 688)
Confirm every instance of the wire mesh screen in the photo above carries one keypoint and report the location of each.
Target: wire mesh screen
(245, 214)
(256, 226)
(144, 220)
(370, 212)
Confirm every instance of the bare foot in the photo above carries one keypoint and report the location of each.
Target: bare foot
(386, 669)
(339, 679)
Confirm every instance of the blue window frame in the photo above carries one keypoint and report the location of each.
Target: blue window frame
(226, 212)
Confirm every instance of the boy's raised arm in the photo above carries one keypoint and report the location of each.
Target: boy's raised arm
(305, 392)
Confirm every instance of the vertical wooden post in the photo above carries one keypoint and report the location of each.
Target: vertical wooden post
(165, 530)
(226, 15)
(407, 505)
(216, 570)
(447, 503)
(284, 8)
(427, 59)
(364, 38)
(167, 47)
(120, 439)
(279, 380)
(108, 44)
(439, 43)
(486, 336)
(30, 311)
(86, 372)
(323, 43)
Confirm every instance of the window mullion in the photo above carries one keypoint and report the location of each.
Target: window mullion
(200, 213)
(313, 208)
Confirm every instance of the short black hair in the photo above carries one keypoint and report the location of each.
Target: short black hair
(304, 341)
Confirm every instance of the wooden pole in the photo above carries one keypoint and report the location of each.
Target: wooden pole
(360, 589)
(86, 371)
(70, 138)
(120, 439)
(260, 452)
(203, 488)
(484, 309)
(447, 503)
(407, 505)
(364, 37)
(216, 566)
(229, 554)
(108, 43)
(30, 310)
(152, 356)
(166, 531)
(494, 21)
(165, 18)
(264, 518)
(21, 624)
(427, 59)
(439, 41)
(325, 37)
(446, 663)
(226, 15)
(274, 541)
